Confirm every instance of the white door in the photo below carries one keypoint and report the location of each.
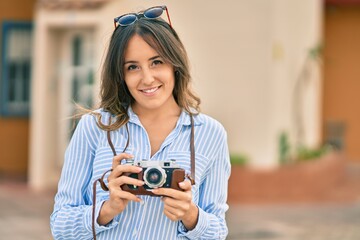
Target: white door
(75, 81)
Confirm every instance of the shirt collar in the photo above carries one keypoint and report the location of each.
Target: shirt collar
(133, 118)
(185, 120)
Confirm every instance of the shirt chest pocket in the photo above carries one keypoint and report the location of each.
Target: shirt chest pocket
(183, 160)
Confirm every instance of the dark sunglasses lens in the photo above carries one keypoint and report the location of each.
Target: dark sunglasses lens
(127, 20)
(153, 12)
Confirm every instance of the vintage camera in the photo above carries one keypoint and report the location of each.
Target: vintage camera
(155, 174)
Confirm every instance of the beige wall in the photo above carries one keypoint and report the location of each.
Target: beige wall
(245, 57)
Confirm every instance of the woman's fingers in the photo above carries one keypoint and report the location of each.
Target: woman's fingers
(185, 185)
(176, 203)
(121, 169)
(119, 195)
(120, 198)
(118, 182)
(115, 187)
(184, 195)
(118, 158)
(172, 213)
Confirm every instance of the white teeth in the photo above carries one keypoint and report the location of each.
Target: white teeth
(150, 90)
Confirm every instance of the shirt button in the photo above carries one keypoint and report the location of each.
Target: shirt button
(134, 232)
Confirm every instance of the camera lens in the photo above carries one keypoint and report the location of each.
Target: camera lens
(154, 177)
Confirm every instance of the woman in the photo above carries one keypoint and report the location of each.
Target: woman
(149, 111)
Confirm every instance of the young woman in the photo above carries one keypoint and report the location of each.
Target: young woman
(148, 113)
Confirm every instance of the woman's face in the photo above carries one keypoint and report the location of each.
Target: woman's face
(149, 79)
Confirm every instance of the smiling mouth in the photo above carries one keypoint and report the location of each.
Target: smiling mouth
(150, 90)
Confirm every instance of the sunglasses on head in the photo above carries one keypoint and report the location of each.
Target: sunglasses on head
(150, 13)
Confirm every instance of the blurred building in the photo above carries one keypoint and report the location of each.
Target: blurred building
(341, 85)
(16, 32)
(256, 65)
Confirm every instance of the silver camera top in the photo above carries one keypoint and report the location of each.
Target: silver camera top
(129, 161)
(146, 163)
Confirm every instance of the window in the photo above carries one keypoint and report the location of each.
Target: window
(82, 71)
(15, 79)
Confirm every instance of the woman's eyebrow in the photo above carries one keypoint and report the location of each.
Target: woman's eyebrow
(133, 61)
(154, 57)
(130, 61)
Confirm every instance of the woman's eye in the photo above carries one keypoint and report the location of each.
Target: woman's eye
(131, 67)
(157, 62)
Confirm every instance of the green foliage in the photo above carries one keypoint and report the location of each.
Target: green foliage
(316, 52)
(306, 154)
(238, 159)
(284, 148)
(289, 154)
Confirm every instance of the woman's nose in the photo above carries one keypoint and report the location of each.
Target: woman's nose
(148, 76)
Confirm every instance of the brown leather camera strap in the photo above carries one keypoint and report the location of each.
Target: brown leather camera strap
(101, 179)
(112, 145)
(191, 177)
(192, 152)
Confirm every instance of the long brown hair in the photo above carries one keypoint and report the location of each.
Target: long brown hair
(114, 94)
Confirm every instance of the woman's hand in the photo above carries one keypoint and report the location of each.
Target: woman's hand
(178, 205)
(118, 199)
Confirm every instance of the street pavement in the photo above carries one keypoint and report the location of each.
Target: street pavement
(295, 222)
(24, 215)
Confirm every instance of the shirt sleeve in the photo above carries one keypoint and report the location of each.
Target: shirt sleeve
(71, 218)
(212, 198)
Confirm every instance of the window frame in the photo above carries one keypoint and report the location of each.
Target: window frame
(5, 109)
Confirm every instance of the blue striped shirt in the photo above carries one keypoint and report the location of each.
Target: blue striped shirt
(89, 155)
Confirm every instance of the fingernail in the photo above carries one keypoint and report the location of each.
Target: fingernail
(139, 169)
(182, 184)
(155, 190)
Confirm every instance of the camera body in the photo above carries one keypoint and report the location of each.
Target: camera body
(155, 174)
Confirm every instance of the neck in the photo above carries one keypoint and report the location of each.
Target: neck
(169, 110)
